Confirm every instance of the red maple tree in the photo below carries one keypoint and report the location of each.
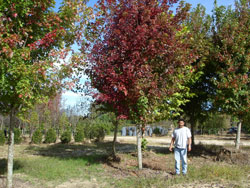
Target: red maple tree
(139, 58)
(139, 52)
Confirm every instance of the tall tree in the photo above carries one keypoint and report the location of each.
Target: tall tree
(231, 56)
(32, 38)
(199, 27)
(140, 59)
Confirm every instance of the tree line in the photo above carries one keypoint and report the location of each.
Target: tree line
(145, 61)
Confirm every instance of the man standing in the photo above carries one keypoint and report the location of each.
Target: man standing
(181, 139)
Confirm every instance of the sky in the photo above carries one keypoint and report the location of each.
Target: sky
(72, 99)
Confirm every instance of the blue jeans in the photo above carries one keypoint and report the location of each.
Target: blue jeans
(180, 155)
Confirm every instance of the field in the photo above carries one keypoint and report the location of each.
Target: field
(89, 165)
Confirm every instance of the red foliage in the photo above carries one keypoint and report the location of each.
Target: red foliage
(138, 53)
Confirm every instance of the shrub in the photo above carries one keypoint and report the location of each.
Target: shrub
(97, 129)
(156, 131)
(37, 137)
(2, 137)
(66, 137)
(17, 136)
(79, 135)
(50, 136)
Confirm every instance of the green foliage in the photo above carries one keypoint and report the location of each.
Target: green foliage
(63, 122)
(50, 136)
(156, 131)
(246, 123)
(17, 136)
(230, 55)
(214, 123)
(37, 137)
(144, 143)
(66, 137)
(97, 129)
(79, 135)
(2, 137)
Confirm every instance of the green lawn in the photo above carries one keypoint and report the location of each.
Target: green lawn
(52, 165)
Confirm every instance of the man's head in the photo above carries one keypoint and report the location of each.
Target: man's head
(181, 122)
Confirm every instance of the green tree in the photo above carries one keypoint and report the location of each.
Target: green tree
(199, 27)
(231, 56)
(63, 123)
(2, 137)
(33, 37)
(37, 137)
(33, 122)
(79, 135)
(50, 136)
(66, 136)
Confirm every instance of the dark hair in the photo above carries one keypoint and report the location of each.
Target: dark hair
(182, 120)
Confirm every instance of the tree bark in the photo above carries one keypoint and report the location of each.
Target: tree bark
(237, 143)
(10, 151)
(193, 125)
(114, 139)
(139, 152)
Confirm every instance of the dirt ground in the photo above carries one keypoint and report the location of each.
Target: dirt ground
(157, 162)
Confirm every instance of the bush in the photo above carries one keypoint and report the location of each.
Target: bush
(96, 129)
(17, 136)
(66, 137)
(37, 137)
(79, 135)
(156, 131)
(50, 136)
(2, 138)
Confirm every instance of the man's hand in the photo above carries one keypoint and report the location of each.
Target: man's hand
(171, 148)
(189, 147)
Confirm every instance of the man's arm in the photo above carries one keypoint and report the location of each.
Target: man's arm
(189, 144)
(172, 144)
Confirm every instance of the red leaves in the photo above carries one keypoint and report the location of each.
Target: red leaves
(137, 46)
(14, 15)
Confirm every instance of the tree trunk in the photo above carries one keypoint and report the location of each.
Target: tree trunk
(1, 123)
(139, 153)
(114, 140)
(193, 125)
(10, 151)
(237, 143)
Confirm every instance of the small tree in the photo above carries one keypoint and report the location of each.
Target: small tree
(2, 137)
(37, 137)
(79, 135)
(50, 136)
(66, 136)
(18, 136)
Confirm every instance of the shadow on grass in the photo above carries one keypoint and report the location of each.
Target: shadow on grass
(3, 166)
(93, 153)
(197, 150)
(159, 149)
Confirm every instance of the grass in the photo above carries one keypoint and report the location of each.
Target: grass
(206, 174)
(51, 168)
(55, 164)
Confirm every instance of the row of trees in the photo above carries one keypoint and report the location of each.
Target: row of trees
(149, 63)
